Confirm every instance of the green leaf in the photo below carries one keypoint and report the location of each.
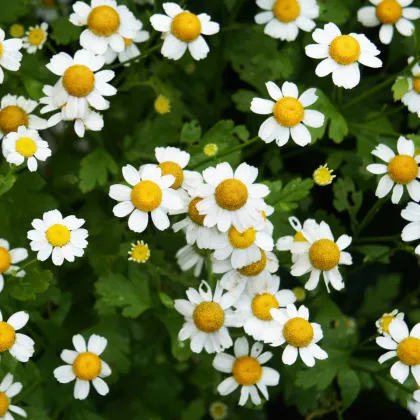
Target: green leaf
(286, 198)
(6, 183)
(338, 128)
(346, 197)
(337, 12)
(400, 88)
(196, 410)
(349, 384)
(11, 11)
(191, 132)
(166, 300)
(64, 32)
(243, 99)
(33, 87)
(26, 288)
(379, 253)
(94, 169)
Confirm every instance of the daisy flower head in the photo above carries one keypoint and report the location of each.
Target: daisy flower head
(289, 116)
(293, 327)
(232, 198)
(321, 254)
(8, 390)
(35, 38)
(388, 13)
(8, 260)
(412, 98)
(323, 176)
(10, 56)
(411, 232)
(60, 237)
(341, 55)
(183, 29)
(218, 410)
(150, 192)
(382, 324)
(107, 25)
(256, 302)
(402, 344)
(247, 371)
(84, 366)
(25, 144)
(284, 18)
(399, 170)
(19, 345)
(15, 112)
(130, 50)
(190, 256)
(81, 84)
(139, 252)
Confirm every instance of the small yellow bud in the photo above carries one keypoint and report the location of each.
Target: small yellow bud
(210, 149)
(162, 105)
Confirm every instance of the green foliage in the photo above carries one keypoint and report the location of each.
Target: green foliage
(26, 288)
(64, 32)
(285, 198)
(400, 88)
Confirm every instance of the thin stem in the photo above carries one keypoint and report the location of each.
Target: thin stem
(377, 239)
(50, 47)
(375, 130)
(137, 58)
(30, 262)
(370, 215)
(210, 277)
(386, 114)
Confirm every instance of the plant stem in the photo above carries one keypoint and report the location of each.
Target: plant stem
(50, 47)
(30, 262)
(137, 58)
(375, 130)
(370, 215)
(376, 239)
(210, 278)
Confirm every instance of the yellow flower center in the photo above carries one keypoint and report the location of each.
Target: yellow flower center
(231, 194)
(7, 336)
(345, 49)
(87, 366)
(4, 403)
(408, 351)
(58, 235)
(403, 169)
(286, 10)
(12, 117)
(323, 176)
(416, 85)
(300, 293)
(162, 105)
(247, 371)
(324, 254)
(298, 332)
(288, 111)
(140, 253)
(194, 214)
(385, 321)
(255, 268)
(299, 237)
(208, 317)
(26, 146)
(146, 196)
(261, 305)
(210, 149)
(127, 42)
(1, 49)
(79, 80)
(17, 30)
(172, 168)
(389, 11)
(103, 21)
(36, 36)
(5, 259)
(186, 26)
(242, 240)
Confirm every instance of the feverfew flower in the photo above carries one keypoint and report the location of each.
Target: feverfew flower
(323, 176)
(404, 345)
(35, 38)
(207, 318)
(342, 54)
(61, 237)
(107, 25)
(183, 29)
(389, 13)
(84, 365)
(8, 390)
(412, 98)
(162, 105)
(300, 335)
(400, 170)
(382, 324)
(10, 57)
(284, 18)
(321, 254)
(8, 260)
(139, 252)
(150, 193)
(289, 116)
(189, 257)
(247, 371)
(25, 144)
(412, 231)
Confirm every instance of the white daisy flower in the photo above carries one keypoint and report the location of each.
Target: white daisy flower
(8, 260)
(130, 48)
(150, 193)
(89, 120)
(25, 144)
(107, 25)
(247, 371)
(388, 13)
(382, 324)
(16, 111)
(207, 318)
(8, 390)
(400, 170)
(321, 254)
(10, 56)
(190, 256)
(404, 345)
(35, 38)
(414, 406)
(19, 345)
(257, 300)
(235, 280)
(300, 335)
(284, 18)
(61, 237)
(411, 232)
(84, 365)
(268, 225)
(412, 98)
(342, 54)
(289, 116)
(183, 29)
(81, 84)
(232, 199)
